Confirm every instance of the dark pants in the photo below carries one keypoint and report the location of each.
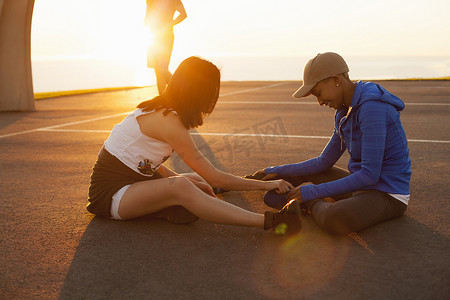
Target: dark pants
(348, 212)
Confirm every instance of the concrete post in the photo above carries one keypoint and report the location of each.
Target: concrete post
(16, 85)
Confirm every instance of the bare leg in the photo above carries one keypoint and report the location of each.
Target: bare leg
(193, 175)
(147, 197)
(162, 78)
(164, 40)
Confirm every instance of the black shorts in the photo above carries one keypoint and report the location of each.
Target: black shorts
(108, 176)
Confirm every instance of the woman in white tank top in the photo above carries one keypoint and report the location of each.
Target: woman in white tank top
(129, 180)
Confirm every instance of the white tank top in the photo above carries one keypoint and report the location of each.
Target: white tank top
(136, 150)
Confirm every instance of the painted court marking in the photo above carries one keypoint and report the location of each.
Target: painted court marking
(126, 113)
(56, 128)
(300, 102)
(49, 128)
(223, 134)
(253, 89)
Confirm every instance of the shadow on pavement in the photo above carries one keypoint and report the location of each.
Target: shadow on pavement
(8, 118)
(149, 258)
(179, 166)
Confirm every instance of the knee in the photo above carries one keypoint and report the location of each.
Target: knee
(275, 200)
(335, 226)
(180, 186)
(333, 221)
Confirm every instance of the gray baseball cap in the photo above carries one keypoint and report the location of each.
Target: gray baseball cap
(322, 66)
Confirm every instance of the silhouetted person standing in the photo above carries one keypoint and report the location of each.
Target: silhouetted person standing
(160, 18)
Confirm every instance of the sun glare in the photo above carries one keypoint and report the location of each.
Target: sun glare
(112, 32)
(123, 38)
(121, 33)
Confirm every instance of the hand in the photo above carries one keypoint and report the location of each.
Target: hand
(205, 187)
(280, 186)
(261, 175)
(296, 194)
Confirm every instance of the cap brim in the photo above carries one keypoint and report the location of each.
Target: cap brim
(303, 91)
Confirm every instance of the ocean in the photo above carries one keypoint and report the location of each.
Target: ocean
(76, 74)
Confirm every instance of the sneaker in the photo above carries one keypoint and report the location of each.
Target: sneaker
(176, 214)
(278, 201)
(285, 221)
(219, 191)
(305, 211)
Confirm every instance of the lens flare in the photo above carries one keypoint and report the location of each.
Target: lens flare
(300, 264)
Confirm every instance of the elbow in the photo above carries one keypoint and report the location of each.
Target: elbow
(371, 182)
(323, 164)
(371, 178)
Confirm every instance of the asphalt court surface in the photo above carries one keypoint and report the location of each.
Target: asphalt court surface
(53, 248)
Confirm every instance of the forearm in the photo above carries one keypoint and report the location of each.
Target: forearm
(234, 183)
(354, 182)
(166, 172)
(311, 166)
(180, 18)
(182, 14)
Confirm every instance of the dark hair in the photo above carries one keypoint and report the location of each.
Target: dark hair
(192, 92)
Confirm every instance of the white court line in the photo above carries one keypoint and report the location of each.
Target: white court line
(126, 113)
(437, 104)
(268, 102)
(252, 90)
(429, 141)
(49, 128)
(243, 135)
(222, 95)
(76, 130)
(300, 102)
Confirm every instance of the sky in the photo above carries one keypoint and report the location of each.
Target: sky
(238, 29)
(110, 28)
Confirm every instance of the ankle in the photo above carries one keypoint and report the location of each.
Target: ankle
(268, 220)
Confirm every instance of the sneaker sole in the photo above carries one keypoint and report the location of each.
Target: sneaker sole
(294, 209)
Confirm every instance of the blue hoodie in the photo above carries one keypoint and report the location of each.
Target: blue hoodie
(371, 130)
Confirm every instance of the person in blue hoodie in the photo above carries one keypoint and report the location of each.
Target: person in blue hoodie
(367, 124)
